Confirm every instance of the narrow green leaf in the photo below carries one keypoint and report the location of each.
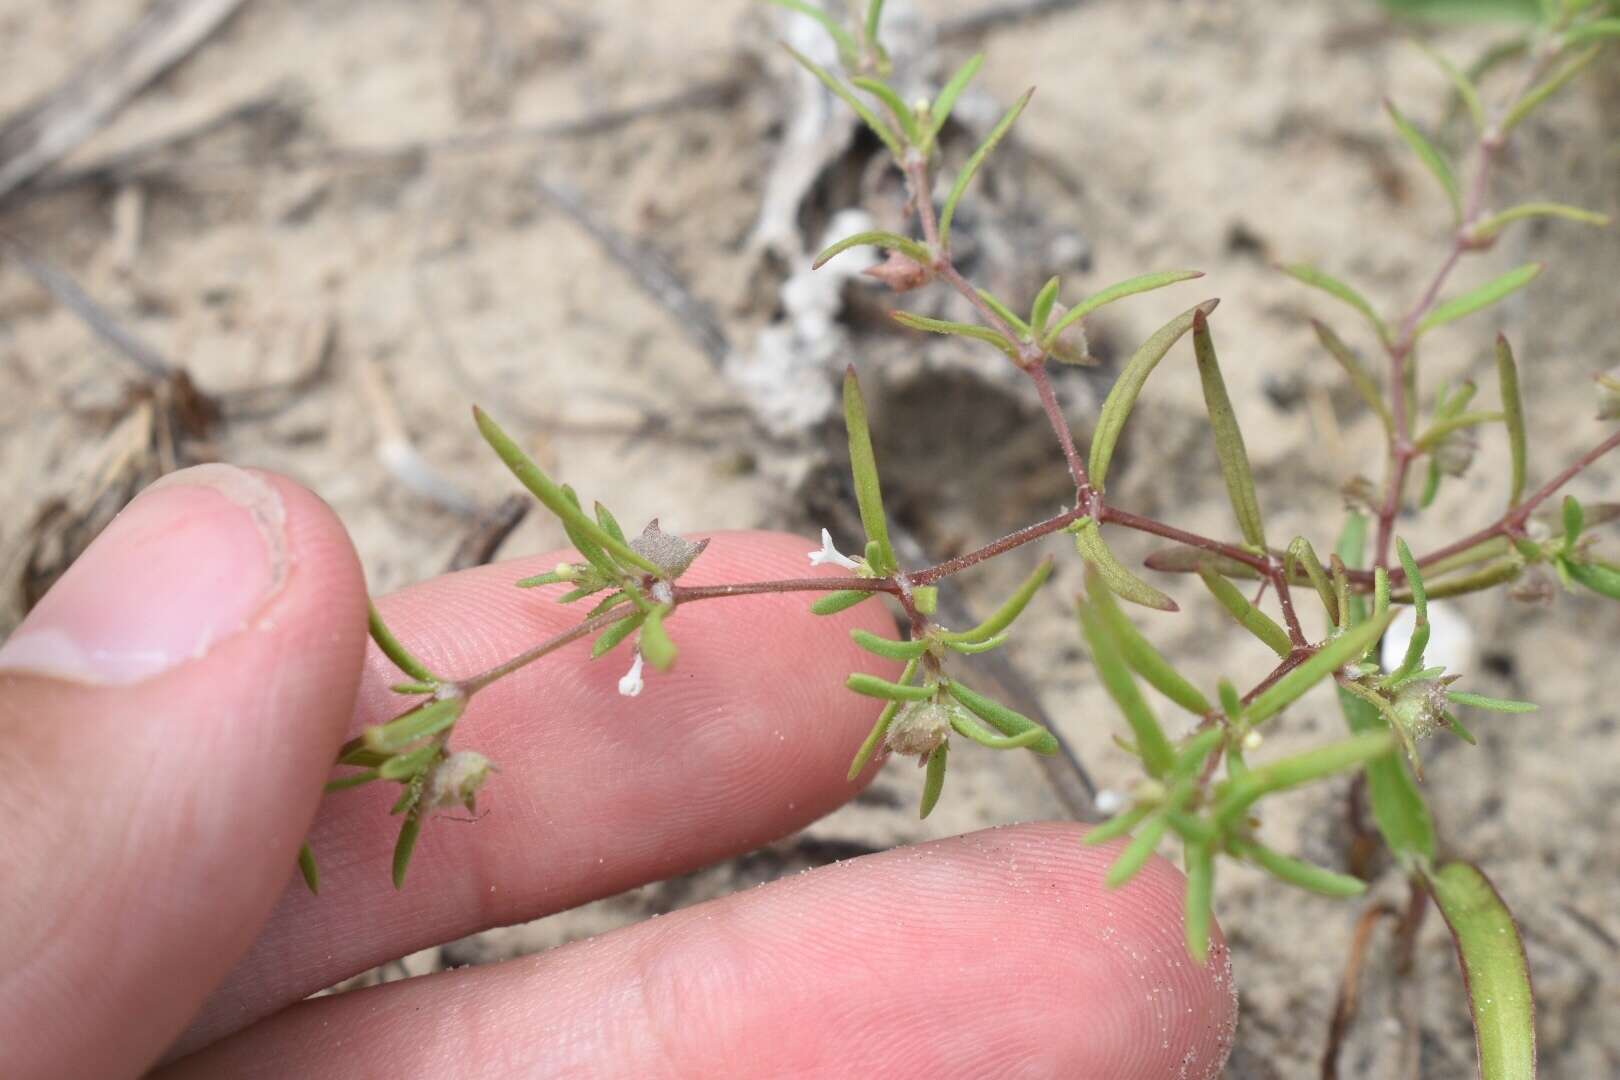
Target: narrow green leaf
(1290, 772)
(1137, 852)
(1228, 436)
(1485, 577)
(1437, 432)
(1088, 539)
(412, 689)
(862, 109)
(1297, 872)
(1200, 895)
(935, 781)
(840, 600)
(1480, 701)
(608, 603)
(1009, 611)
(1414, 578)
(1109, 660)
(409, 830)
(872, 686)
(1480, 298)
(845, 40)
(1303, 555)
(973, 648)
(965, 177)
(963, 723)
(1146, 660)
(1003, 719)
(969, 330)
(551, 495)
(610, 524)
(1117, 826)
(1494, 968)
(1041, 310)
(419, 723)
(1248, 616)
(610, 638)
(1546, 89)
(1600, 577)
(1360, 378)
(654, 640)
(874, 14)
(1331, 285)
(1190, 560)
(1346, 648)
(940, 111)
(1000, 307)
(897, 107)
(550, 577)
(893, 650)
(405, 766)
(874, 738)
(1596, 30)
(1466, 90)
(307, 867)
(1431, 157)
(1491, 226)
(1574, 522)
(1507, 377)
(1130, 287)
(399, 655)
(1121, 399)
(1195, 751)
(862, 461)
(876, 238)
(354, 780)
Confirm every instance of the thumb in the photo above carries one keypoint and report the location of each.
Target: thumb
(166, 712)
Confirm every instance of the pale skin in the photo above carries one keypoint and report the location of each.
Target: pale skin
(157, 791)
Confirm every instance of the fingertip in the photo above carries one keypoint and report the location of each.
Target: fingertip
(176, 698)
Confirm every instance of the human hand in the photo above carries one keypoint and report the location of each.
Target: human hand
(168, 714)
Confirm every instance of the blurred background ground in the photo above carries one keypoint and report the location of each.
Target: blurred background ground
(350, 246)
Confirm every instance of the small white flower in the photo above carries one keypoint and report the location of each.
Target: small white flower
(631, 684)
(830, 554)
(1109, 801)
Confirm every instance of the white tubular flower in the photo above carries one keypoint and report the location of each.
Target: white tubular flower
(631, 684)
(1109, 801)
(830, 554)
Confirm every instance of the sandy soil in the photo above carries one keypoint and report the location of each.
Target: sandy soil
(1209, 135)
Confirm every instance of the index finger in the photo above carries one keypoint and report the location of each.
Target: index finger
(746, 739)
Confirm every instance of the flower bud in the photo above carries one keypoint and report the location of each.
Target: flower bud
(919, 728)
(900, 272)
(1420, 707)
(457, 779)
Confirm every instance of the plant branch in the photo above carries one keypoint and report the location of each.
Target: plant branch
(1402, 450)
(1513, 521)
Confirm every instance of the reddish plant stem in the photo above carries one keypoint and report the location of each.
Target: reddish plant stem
(1279, 578)
(1060, 425)
(684, 593)
(1512, 523)
(997, 547)
(1116, 516)
(1402, 450)
(470, 686)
